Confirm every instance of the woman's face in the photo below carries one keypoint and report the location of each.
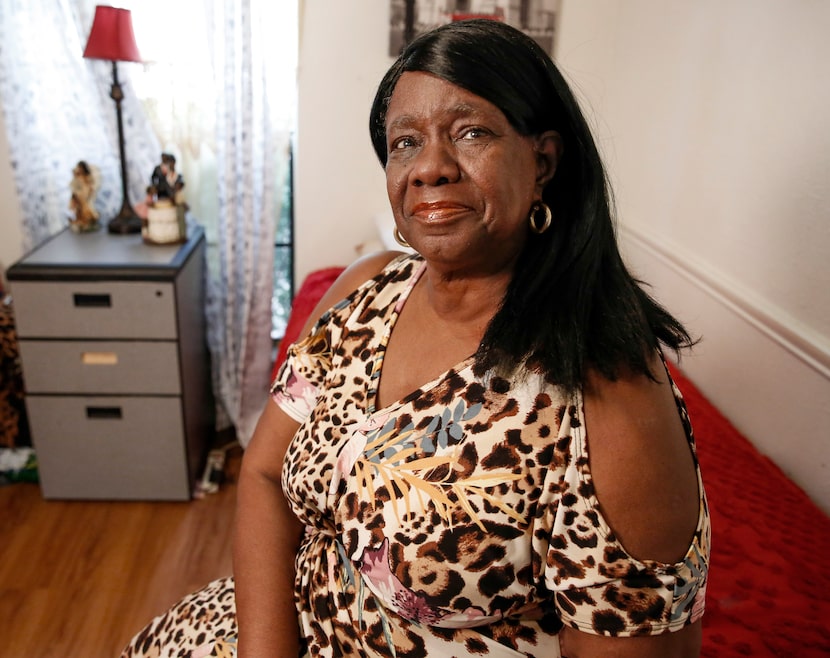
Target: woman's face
(460, 179)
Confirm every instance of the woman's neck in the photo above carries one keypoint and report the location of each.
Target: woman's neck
(468, 302)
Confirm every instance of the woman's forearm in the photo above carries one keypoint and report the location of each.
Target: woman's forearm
(266, 539)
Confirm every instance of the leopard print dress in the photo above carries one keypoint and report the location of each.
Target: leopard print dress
(458, 521)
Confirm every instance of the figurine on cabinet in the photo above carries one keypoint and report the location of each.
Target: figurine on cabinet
(166, 207)
(166, 183)
(86, 180)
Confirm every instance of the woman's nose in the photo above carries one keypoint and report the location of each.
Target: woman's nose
(435, 164)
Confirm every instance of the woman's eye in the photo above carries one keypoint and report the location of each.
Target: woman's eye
(473, 133)
(401, 143)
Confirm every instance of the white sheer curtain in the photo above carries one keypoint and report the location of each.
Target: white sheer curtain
(255, 90)
(218, 91)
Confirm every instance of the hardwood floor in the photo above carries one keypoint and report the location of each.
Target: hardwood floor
(79, 579)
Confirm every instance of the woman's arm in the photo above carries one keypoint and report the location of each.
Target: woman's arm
(267, 533)
(266, 539)
(646, 484)
(681, 644)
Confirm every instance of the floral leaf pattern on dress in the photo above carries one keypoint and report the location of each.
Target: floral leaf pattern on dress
(375, 569)
(391, 458)
(298, 396)
(690, 587)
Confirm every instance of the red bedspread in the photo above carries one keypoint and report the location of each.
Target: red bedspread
(769, 586)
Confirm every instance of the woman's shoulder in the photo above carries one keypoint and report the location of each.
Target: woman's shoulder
(363, 271)
(642, 463)
(357, 275)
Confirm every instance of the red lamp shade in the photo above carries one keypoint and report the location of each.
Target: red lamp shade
(112, 36)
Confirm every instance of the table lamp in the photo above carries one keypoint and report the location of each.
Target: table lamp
(112, 38)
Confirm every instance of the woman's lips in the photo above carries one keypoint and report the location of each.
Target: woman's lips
(437, 211)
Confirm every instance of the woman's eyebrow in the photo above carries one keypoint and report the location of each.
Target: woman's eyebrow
(457, 111)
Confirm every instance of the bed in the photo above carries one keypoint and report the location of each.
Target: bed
(769, 588)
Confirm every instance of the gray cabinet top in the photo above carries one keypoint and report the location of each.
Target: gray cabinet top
(102, 255)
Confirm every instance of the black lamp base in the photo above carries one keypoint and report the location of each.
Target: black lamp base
(126, 222)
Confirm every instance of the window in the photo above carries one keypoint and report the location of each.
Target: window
(176, 84)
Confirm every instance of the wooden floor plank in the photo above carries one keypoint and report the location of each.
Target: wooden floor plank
(81, 578)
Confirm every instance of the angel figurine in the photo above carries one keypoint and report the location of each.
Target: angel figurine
(86, 179)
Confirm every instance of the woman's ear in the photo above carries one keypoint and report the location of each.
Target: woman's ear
(548, 149)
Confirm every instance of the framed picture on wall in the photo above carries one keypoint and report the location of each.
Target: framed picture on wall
(409, 18)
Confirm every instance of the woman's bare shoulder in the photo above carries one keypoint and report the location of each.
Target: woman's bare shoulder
(641, 463)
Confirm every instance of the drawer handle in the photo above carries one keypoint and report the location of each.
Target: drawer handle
(93, 301)
(99, 358)
(103, 412)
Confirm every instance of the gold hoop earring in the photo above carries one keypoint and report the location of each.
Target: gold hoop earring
(399, 238)
(541, 205)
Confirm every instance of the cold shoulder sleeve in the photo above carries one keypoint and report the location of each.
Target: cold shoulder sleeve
(597, 586)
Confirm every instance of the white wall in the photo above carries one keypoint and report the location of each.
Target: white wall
(339, 184)
(713, 118)
(11, 217)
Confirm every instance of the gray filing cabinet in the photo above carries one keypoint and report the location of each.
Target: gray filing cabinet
(115, 363)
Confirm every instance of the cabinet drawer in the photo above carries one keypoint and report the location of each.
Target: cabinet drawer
(109, 447)
(94, 309)
(57, 366)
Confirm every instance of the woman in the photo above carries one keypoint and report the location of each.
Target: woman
(477, 450)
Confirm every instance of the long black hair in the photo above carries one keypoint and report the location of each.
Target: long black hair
(571, 304)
